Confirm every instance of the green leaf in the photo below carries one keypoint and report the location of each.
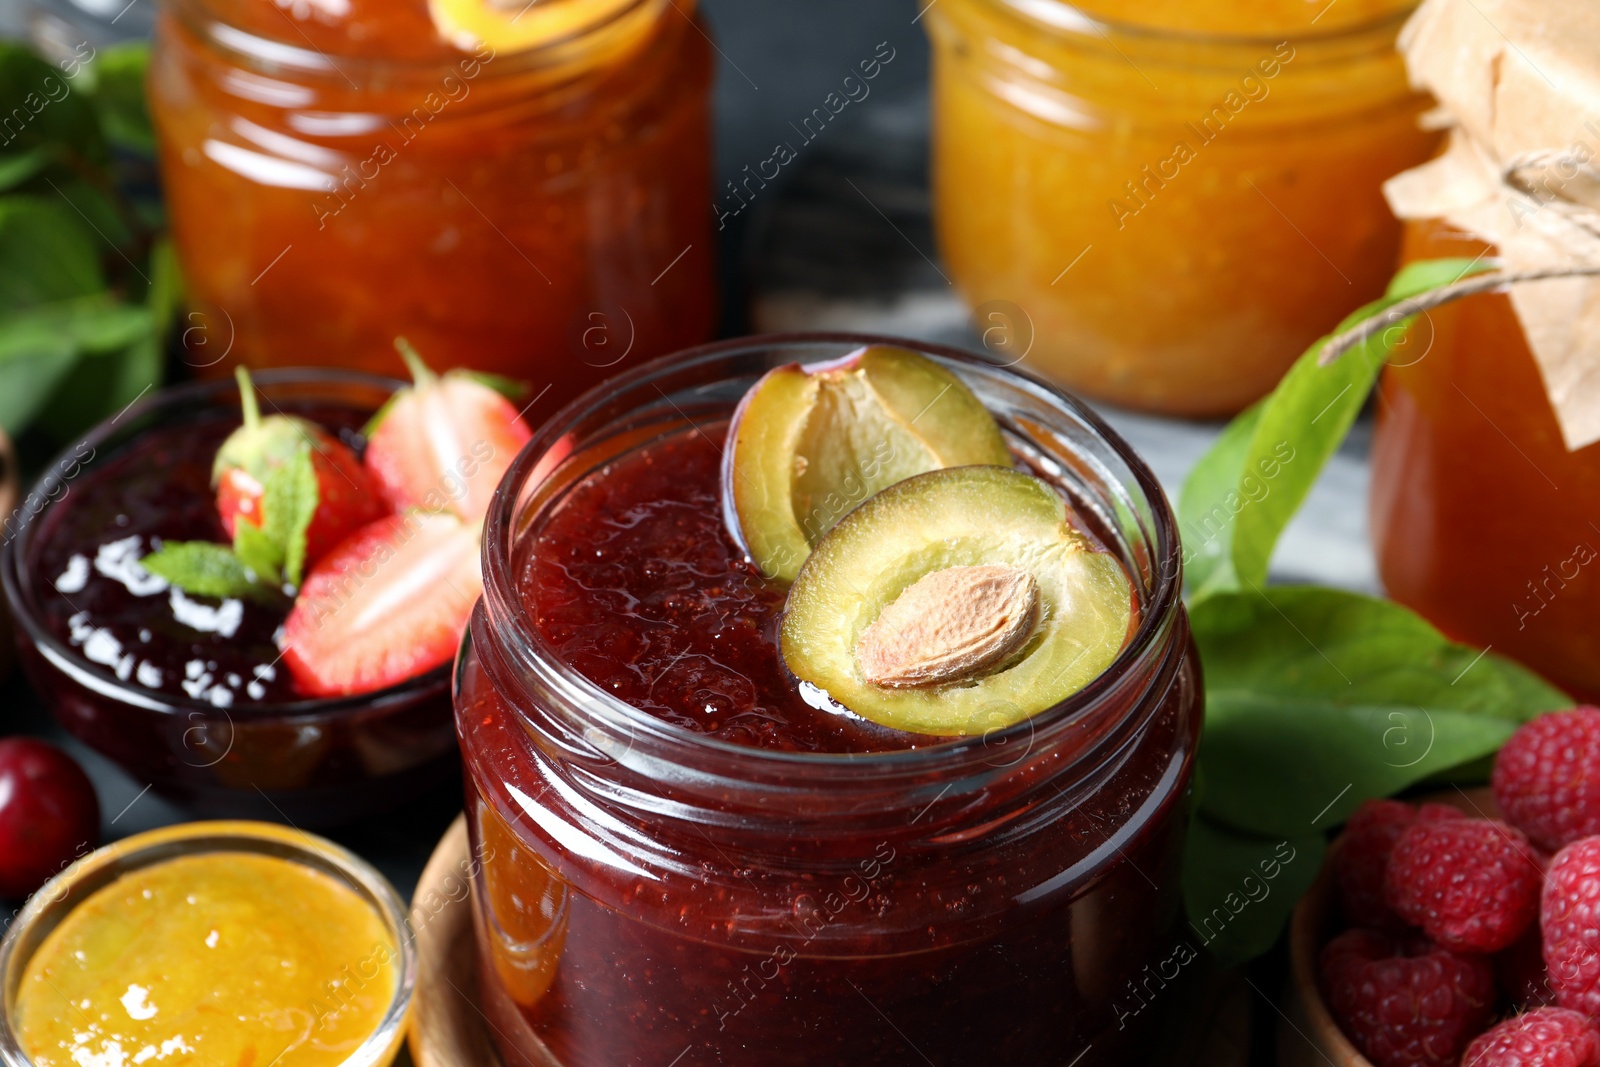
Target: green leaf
(95, 209)
(203, 568)
(165, 298)
(289, 503)
(16, 168)
(1296, 430)
(1318, 699)
(41, 347)
(510, 388)
(118, 73)
(1239, 890)
(47, 253)
(1208, 504)
(40, 104)
(256, 549)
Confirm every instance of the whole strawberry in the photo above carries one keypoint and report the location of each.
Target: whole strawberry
(1471, 884)
(300, 488)
(1570, 920)
(1363, 856)
(1547, 777)
(1405, 1003)
(1545, 1037)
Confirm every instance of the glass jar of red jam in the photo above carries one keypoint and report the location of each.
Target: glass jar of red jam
(684, 862)
(1482, 520)
(340, 173)
(186, 693)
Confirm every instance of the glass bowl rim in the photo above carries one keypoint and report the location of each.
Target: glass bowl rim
(208, 836)
(1163, 602)
(105, 682)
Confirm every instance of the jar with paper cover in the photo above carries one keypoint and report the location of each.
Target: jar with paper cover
(1486, 459)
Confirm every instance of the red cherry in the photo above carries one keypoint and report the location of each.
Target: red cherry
(49, 814)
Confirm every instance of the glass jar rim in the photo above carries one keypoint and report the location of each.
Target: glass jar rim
(63, 657)
(1067, 19)
(1161, 604)
(201, 17)
(197, 838)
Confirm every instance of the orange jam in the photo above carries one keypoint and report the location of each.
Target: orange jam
(1482, 520)
(231, 959)
(532, 200)
(1177, 202)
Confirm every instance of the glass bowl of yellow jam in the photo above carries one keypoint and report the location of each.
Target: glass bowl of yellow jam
(237, 943)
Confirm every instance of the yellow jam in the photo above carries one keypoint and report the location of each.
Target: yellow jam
(229, 959)
(1168, 213)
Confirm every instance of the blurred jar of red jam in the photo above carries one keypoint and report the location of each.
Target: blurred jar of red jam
(1482, 520)
(651, 894)
(340, 173)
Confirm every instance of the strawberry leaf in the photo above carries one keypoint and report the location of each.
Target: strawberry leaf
(510, 388)
(205, 569)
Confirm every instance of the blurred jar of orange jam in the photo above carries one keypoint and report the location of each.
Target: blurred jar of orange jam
(1179, 197)
(521, 188)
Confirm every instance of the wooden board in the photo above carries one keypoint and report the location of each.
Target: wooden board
(1207, 1025)
(447, 1029)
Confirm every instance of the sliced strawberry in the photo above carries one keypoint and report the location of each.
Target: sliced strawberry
(387, 604)
(323, 490)
(444, 442)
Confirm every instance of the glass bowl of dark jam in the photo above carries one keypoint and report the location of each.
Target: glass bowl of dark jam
(186, 692)
(688, 861)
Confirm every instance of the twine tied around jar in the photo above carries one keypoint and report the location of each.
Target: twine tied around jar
(1518, 82)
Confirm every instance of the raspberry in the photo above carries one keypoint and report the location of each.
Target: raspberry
(1547, 1037)
(1570, 918)
(1547, 777)
(1406, 1003)
(1471, 884)
(1362, 856)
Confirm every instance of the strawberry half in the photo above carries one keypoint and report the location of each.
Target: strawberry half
(299, 486)
(444, 442)
(388, 604)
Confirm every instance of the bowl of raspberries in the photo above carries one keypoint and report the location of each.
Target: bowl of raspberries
(1464, 932)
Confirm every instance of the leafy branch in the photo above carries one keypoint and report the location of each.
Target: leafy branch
(1316, 698)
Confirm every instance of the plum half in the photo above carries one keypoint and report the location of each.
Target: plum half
(956, 602)
(809, 443)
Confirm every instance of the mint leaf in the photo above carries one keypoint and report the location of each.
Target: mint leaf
(1239, 889)
(204, 569)
(47, 253)
(118, 75)
(291, 501)
(18, 167)
(47, 105)
(1295, 431)
(259, 552)
(41, 346)
(1318, 699)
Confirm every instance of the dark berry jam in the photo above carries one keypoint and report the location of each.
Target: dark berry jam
(635, 582)
(93, 595)
(182, 691)
(825, 891)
